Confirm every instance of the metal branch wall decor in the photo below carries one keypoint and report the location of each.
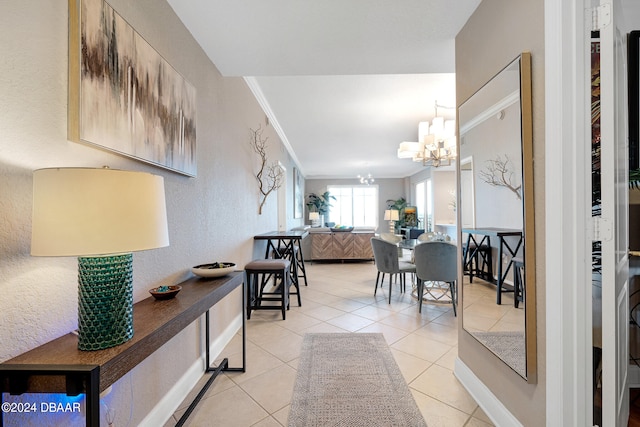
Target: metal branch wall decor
(499, 173)
(269, 176)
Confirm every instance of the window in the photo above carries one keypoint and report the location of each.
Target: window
(421, 203)
(424, 202)
(428, 225)
(354, 205)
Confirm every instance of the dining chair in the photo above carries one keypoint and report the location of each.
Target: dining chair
(385, 255)
(415, 232)
(393, 238)
(436, 261)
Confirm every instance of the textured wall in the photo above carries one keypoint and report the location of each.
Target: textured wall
(497, 32)
(211, 217)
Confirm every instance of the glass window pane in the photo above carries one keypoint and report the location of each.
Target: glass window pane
(421, 203)
(355, 205)
(429, 223)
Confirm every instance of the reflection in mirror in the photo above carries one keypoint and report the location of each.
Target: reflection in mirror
(496, 193)
(467, 193)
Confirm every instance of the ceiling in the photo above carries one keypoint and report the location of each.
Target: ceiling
(343, 82)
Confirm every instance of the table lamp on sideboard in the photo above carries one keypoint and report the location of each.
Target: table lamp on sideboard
(315, 219)
(101, 216)
(392, 215)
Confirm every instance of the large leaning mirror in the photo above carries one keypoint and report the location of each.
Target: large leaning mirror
(496, 214)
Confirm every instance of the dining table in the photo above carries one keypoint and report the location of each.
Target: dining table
(433, 291)
(408, 244)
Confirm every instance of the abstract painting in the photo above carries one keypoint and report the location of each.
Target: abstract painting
(124, 96)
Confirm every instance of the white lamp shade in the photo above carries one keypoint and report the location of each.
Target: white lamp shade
(407, 150)
(428, 143)
(391, 215)
(450, 143)
(83, 212)
(423, 130)
(437, 126)
(449, 128)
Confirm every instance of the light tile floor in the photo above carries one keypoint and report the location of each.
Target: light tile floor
(483, 314)
(339, 298)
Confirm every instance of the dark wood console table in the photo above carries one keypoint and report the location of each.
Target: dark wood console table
(59, 367)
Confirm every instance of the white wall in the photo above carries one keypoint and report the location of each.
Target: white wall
(211, 217)
(444, 183)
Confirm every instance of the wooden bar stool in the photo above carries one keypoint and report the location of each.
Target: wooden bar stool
(518, 283)
(477, 261)
(294, 254)
(485, 266)
(300, 264)
(469, 260)
(259, 273)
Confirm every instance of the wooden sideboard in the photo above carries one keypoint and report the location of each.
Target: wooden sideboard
(341, 245)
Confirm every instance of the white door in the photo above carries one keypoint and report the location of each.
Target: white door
(614, 216)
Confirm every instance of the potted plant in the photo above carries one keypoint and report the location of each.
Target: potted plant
(398, 205)
(319, 203)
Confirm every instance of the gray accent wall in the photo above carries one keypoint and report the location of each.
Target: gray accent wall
(497, 32)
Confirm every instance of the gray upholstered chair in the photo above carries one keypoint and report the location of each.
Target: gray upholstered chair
(390, 237)
(393, 238)
(385, 255)
(436, 262)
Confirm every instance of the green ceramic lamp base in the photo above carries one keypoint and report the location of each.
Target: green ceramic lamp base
(105, 301)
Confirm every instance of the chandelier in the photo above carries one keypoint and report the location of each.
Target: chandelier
(436, 144)
(366, 179)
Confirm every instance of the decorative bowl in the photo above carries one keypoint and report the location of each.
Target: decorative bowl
(216, 269)
(165, 292)
(343, 228)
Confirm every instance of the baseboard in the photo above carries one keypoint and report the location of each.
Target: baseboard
(166, 407)
(490, 404)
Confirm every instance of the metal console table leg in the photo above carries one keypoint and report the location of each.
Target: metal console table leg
(223, 366)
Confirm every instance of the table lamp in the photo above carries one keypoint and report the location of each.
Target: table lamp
(100, 216)
(314, 217)
(392, 215)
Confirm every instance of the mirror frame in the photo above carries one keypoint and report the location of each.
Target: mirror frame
(526, 122)
(529, 215)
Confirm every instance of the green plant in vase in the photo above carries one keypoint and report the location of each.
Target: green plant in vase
(398, 205)
(320, 203)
